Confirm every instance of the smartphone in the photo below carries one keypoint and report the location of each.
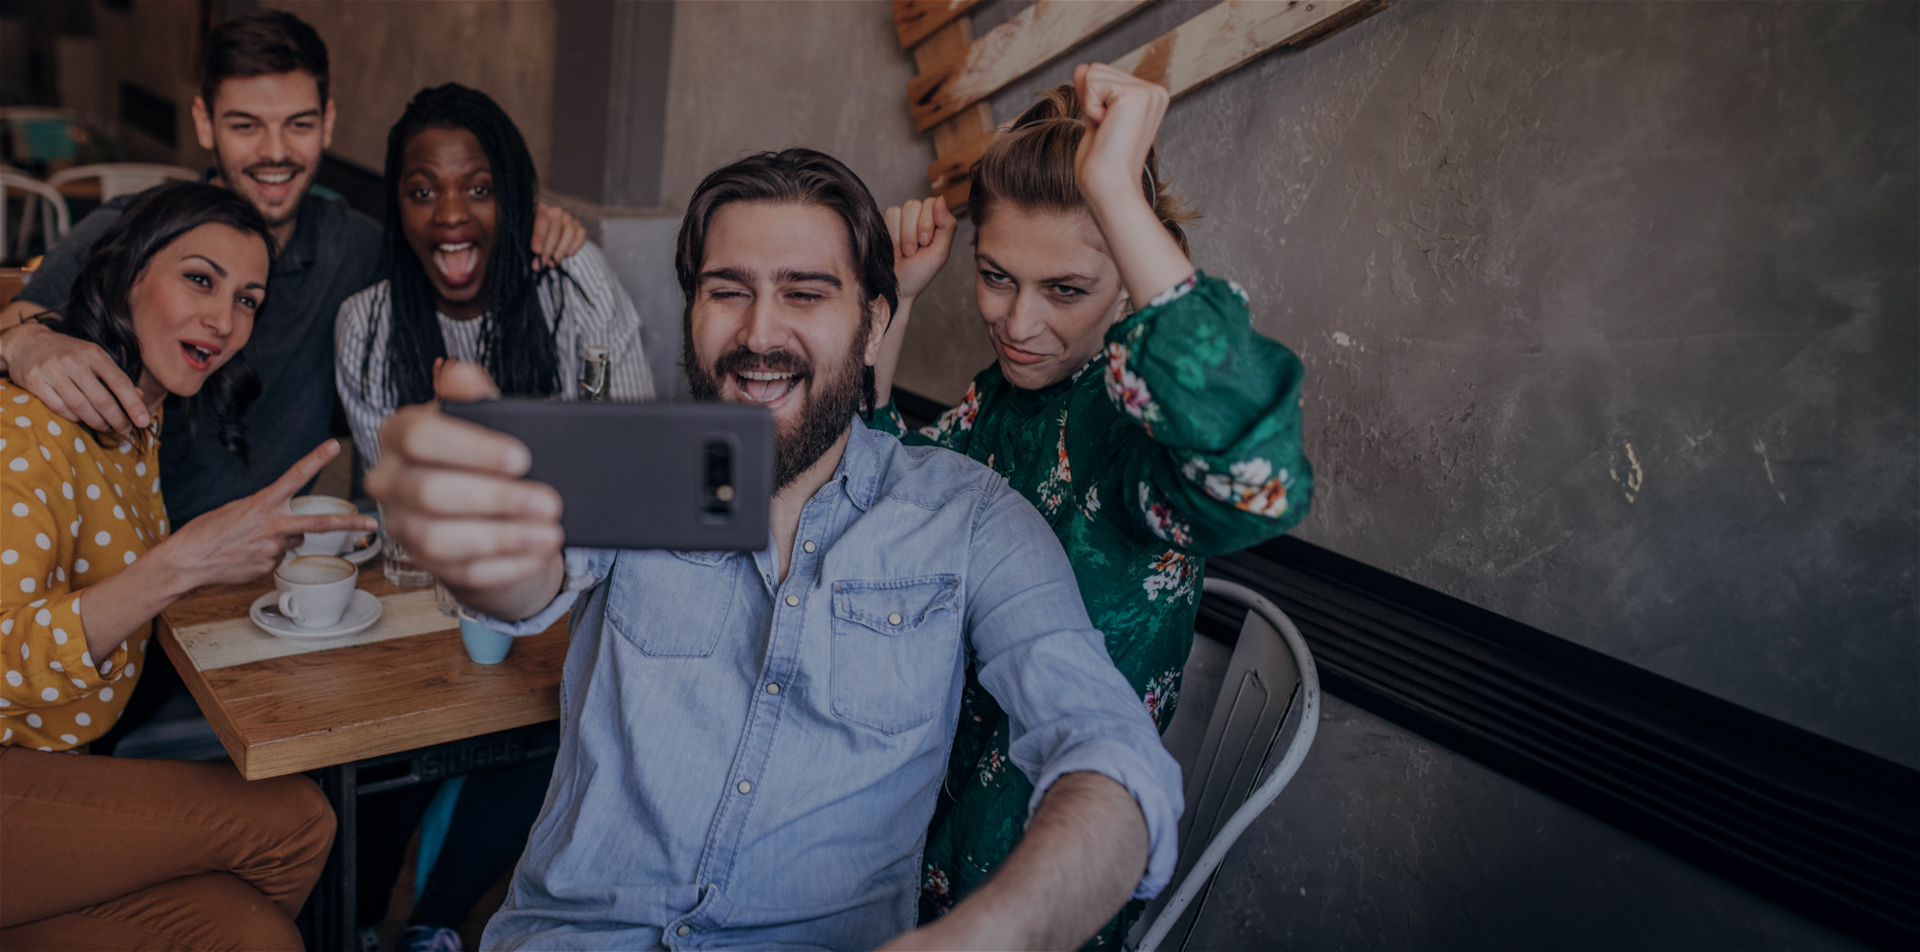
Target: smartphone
(684, 476)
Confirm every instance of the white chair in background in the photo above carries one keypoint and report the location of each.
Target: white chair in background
(1246, 760)
(54, 220)
(122, 178)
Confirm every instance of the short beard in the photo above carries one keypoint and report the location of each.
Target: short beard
(830, 403)
(231, 176)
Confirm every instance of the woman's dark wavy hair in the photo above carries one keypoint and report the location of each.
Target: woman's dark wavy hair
(516, 341)
(800, 177)
(97, 309)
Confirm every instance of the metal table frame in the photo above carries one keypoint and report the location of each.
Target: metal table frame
(327, 921)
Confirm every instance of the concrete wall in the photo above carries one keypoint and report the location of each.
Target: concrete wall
(384, 51)
(1609, 312)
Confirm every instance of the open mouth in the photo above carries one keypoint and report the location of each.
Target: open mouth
(457, 262)
(765, 386)
(199, 355)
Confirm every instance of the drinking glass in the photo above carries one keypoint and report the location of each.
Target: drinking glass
(397, 563)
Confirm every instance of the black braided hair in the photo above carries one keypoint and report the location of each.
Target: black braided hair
(516, 341)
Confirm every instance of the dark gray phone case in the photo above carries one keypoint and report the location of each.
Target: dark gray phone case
(685, 476)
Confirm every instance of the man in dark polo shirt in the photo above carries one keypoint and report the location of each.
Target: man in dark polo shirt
(264, 113)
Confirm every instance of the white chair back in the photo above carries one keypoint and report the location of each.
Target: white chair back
(123, 178)
(1246, 760)
(54, 220)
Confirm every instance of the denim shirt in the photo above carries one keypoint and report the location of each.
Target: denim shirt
(749, 762)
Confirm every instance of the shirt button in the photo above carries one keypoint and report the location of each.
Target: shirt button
(808, 545)
(744, 787)
(793, 601)
(683, 930)
(773, 688)
(893, 619)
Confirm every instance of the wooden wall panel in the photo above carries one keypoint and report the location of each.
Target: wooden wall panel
(1033, 38)
(957, 72)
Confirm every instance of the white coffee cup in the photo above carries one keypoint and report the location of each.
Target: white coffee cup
(316, 589)
(323, 543)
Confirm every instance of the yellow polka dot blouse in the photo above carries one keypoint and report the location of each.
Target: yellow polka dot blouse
(72, 512)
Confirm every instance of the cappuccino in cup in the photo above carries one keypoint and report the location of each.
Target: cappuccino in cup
(315, 590)
(323, 543)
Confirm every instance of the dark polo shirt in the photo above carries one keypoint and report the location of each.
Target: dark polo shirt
(334, 252)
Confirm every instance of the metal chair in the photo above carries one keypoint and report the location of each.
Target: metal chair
(54, 219)
(123, 178)
(1270, 684)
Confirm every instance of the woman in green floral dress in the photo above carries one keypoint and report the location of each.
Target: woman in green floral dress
(1150, 437)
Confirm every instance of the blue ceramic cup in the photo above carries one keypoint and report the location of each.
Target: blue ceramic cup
(484, 645)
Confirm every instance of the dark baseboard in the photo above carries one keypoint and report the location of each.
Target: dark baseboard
(1818, 827)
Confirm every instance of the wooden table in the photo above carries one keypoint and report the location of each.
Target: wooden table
(328, 707)
(413, 708)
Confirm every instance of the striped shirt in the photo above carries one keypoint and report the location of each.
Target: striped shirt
(597, 312)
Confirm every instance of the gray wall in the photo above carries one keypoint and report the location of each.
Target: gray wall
(1609, 312)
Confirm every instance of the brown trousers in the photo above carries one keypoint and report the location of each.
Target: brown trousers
(105, 853)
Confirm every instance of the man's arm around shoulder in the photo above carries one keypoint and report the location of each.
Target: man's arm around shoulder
(74, 378)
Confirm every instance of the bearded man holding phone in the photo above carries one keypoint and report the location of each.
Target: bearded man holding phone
(752, 742)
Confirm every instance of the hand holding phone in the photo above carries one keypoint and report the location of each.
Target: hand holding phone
(455, 496)
(686, 476)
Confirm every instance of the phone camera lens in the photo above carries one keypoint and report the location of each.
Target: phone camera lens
(719, 481)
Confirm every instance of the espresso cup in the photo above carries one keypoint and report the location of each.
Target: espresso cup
(316, 589)
(484, 645)
(323, 543)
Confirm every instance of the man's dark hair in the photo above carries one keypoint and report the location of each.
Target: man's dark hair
(800, 177)
(261, 43)
(516, 340)
(98, 310)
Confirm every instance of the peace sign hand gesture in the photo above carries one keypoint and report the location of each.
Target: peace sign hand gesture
(244, 539)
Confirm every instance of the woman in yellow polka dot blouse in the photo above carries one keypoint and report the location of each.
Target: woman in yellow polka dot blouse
(86, 561)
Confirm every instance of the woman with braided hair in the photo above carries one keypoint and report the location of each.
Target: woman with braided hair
(464, 285)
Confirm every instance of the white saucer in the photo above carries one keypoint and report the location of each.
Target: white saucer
(361, 555)
(362, 612)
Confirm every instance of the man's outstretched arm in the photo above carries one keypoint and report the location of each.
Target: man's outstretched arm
(1082, 856)
(1106, 810)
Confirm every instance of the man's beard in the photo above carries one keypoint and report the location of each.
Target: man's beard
(232, 177)
(826, 414)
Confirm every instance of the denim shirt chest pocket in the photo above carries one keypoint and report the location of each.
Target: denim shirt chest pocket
(895, 647)
(693, 600)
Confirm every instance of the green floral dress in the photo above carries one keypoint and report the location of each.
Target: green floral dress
(1180, 441)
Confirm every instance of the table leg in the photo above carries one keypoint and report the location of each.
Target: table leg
(327, 921)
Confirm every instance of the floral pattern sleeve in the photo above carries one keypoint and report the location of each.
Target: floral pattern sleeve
(952, 431)
(1222, 403)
